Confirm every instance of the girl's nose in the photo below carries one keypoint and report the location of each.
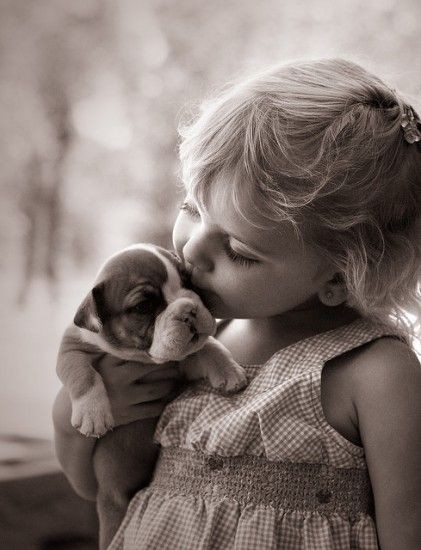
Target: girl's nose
(197, 251)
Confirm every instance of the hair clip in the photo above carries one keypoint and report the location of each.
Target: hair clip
(409, 123)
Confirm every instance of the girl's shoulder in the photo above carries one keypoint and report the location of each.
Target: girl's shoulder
(384, 371)
(383, 361)
(359, 383)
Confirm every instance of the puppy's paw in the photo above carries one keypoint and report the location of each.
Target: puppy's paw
(92, 423)
(230, 379)
(91, 416)
(236, 378)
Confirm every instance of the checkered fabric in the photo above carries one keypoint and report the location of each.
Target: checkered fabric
(278, 418)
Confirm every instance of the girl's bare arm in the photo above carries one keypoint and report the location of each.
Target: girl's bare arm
(388, 403)
(74, 451)
(136, 392)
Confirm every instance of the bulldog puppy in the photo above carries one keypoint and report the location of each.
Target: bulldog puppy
(139, 309)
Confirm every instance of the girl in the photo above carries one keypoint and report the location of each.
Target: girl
(301, 230)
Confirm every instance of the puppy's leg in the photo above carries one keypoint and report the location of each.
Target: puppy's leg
(91, 410)
(215, 363)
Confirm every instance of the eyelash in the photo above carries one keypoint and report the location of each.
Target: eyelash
(237, 258)
(232, 255)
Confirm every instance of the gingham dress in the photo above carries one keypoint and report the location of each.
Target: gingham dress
(261, 469)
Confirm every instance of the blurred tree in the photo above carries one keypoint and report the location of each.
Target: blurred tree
(41, 193)
(44, 65)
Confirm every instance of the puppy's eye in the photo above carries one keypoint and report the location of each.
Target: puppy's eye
(141, 307)
(148, 304)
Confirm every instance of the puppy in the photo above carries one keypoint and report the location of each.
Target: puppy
(139, 309)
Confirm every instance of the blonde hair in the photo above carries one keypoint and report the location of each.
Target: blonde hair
(320, 144)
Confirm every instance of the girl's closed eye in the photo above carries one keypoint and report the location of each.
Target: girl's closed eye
(234, 256)
(238, 258)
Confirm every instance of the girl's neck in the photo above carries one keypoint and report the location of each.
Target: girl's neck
(306, 320)
(265, 336)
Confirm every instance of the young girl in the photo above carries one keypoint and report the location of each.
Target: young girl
(301, 230)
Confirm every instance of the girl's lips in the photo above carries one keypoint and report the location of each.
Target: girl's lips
(199, 290)
(195, 282)
(208, 297)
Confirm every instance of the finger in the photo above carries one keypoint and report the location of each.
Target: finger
(137, 371)
(175, 392)
(107, 361)
(141, 393)
(131, 371)
(167, 373)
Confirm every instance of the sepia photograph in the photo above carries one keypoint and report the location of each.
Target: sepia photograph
(210, 275)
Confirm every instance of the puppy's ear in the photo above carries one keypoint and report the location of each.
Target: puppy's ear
(90, 314)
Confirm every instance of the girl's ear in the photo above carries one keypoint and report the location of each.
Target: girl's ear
(90, 312)
(333, 292)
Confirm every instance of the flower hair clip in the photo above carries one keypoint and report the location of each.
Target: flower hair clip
(409, 123)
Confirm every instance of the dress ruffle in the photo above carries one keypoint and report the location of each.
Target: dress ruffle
(160, 521)
(281, 423)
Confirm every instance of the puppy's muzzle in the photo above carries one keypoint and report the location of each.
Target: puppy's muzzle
(182, 328)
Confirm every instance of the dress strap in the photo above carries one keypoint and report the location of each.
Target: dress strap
(313, 352)
(335, 342)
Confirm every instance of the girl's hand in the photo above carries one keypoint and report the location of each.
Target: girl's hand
(137, 391)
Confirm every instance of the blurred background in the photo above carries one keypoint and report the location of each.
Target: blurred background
(91, 93)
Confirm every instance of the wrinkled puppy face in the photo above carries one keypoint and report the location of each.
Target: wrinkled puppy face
(132, 289)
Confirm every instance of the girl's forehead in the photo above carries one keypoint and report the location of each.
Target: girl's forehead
(230, 189)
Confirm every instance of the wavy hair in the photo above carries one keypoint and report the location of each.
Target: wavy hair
(320, 143)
